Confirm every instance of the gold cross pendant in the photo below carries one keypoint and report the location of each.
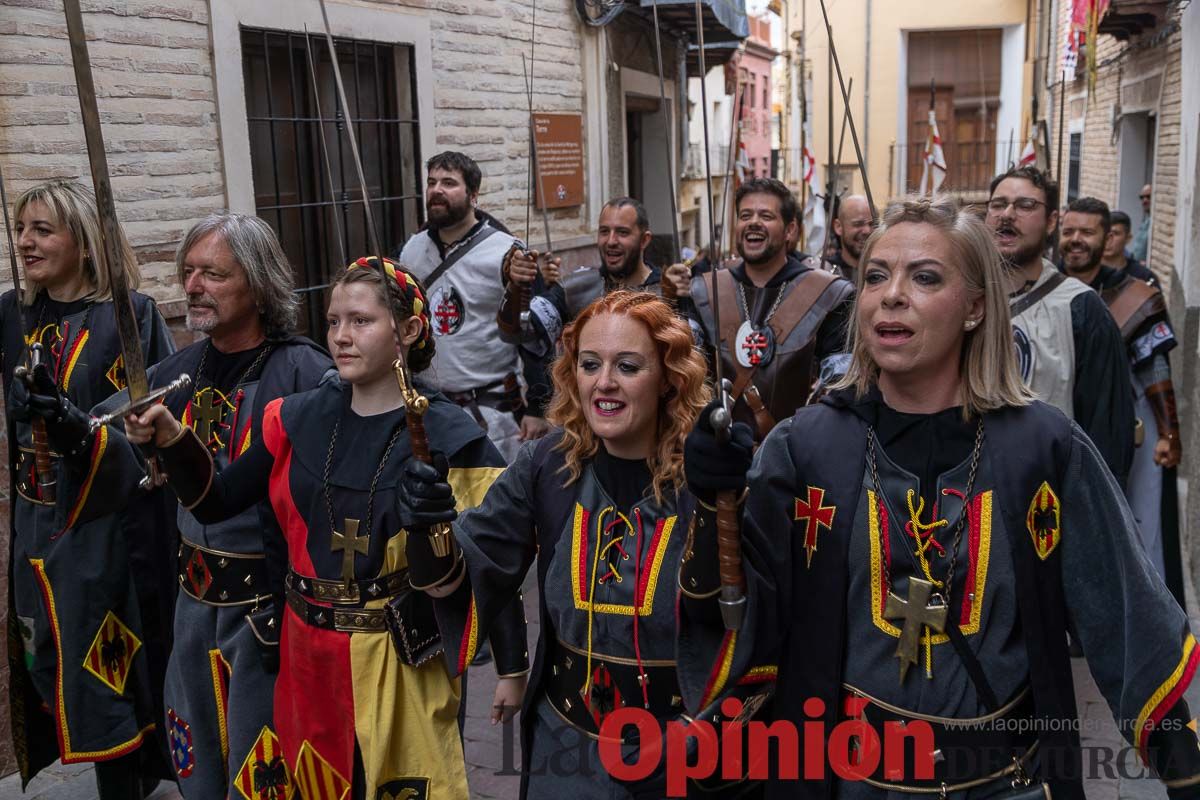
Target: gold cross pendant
(349, 544)
(205, 416)
(916, 613)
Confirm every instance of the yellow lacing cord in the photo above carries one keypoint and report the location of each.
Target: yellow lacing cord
(920, 528)
(928, 653)
(587, 685)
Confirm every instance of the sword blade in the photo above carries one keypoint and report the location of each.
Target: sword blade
(372, 232)
(12, 258)
(127, 326)
(312, 71)
(713, 255)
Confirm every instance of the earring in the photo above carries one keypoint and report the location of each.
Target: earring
(970, 324)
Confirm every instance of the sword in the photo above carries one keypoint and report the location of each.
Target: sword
(415, 404)
(729, 544)
(139, 407)
(127, 325)
(46, 479)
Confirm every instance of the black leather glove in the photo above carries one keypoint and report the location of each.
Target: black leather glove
(67, 427)
(424, 496)
(711, 466)
(426, 499)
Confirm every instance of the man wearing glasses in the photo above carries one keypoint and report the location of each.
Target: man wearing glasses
(1070, 350)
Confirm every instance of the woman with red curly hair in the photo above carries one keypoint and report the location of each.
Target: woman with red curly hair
(600, 503)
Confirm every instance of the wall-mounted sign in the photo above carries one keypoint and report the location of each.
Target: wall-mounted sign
(559, 140)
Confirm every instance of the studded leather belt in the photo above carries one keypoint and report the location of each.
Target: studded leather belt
(615, 683)
(217, 578)
(348, 620)
(339, 592)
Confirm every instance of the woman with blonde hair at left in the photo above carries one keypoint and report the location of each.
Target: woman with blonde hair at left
(602, 505)
(87, 684)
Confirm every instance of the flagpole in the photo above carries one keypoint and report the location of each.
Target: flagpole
(862, 165)
(829, 168)
(1062, 101)
(845, 117)
(803, 117)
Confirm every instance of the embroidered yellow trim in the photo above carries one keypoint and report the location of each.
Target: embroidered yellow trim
(1160, 694)
(982, 560)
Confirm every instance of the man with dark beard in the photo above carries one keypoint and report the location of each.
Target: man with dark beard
(853, 224)
(1140, 312)
(622, 237)
(460, 258)
(782, 319)
(1069, 349)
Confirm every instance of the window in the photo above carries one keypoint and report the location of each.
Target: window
(1073, 166)
(753, 89)
(766, 103)
(291, 182)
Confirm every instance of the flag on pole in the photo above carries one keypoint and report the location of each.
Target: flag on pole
(1029, 154)
(934, 171)
(814, 208)
(742, 164)
(1083, 31)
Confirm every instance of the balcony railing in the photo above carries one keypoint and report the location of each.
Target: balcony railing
(970, 166)
(693, 166)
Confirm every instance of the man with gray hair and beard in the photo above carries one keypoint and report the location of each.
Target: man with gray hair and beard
(221, 669)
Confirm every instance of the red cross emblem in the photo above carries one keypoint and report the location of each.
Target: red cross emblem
(447, 317)
(755, 347)
(816, 516)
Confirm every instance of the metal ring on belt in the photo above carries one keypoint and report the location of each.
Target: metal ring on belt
(357, 620)
(218, 578)
(339, 593)
(969, 752)
(25, 477)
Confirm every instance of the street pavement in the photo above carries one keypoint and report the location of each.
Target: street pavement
(492, 763)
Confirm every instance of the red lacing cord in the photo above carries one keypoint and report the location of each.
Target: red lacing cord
(57, 349)
(637, 605)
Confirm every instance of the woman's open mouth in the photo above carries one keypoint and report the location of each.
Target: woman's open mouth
(893, 333)
(606, 407)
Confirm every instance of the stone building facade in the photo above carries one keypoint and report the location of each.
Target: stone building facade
(207, 105)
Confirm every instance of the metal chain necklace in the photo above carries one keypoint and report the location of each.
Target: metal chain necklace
(207, 417)
(348, 541)
(755, 345)
(925, 608)
(262, 355)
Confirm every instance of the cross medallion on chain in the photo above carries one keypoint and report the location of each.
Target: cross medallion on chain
(205, 416)
(917, 613)
(349, 543)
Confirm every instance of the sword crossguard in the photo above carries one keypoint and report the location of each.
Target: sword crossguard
(721, 417)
